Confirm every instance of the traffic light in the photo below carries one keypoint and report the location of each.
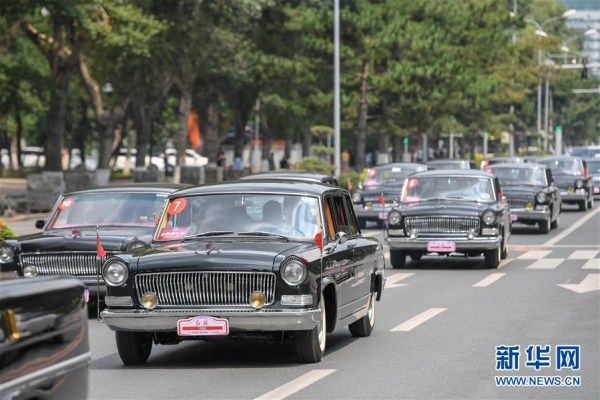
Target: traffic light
(557, 129)
(405, 140)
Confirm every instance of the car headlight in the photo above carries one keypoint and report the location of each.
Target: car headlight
(394, 218)
(356, 197)
(579, 183)
(6, 253)
(541, 197)
(115, 272)
(293, 272)
(488, 217)
(135, 244)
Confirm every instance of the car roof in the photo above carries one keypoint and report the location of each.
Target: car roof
(517, 165)
(559, 158)
(400, 165)
(288, 175)
(453, 172)
(448, 160)
(134, 188)
(262, 186)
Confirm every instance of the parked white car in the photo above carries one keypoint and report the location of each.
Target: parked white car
(192, 158)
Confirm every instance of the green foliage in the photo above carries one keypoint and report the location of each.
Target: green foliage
(315, 164)
(6, 231)
(351, 176)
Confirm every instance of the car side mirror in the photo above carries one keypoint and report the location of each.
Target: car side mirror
(40, 223)
(341, 238)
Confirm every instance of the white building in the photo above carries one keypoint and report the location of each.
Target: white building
(587, 17)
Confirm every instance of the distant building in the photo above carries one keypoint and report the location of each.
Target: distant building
(587, 17)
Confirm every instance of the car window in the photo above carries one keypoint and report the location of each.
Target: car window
(448, 187)
(569, 167)
(341, 219)
(520, 176)
(388, 174)
(593, 167)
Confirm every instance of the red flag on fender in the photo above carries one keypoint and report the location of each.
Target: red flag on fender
(319, 240)
(99, 248)
(381, 200)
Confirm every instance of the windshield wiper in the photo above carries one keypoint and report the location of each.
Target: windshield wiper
(205, 234)
(458, 198)
(261, 233)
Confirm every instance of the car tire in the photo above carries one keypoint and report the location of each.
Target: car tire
(544, 226)
(583, 205)
(397, 258)
(134, 347)
(591, 203)
(364, 326)
(310, 345)
(504, 251)
(492, 257)
(554, 223)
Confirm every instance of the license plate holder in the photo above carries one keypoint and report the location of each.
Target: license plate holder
(441, 246)
(383, 215)
(203, 326)
(514, 217)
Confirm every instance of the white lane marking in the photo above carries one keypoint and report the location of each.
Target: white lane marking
(546, 263)
(505, 261)
(534, 255)
(418, 320)
(583, 254)
(554, 246)
(392, 280)
(297, 384)
(571, 228)
(487, 281)
(594, 263)
(590, 283)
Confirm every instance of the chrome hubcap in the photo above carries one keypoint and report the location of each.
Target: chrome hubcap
(371, 313)
(322, 328)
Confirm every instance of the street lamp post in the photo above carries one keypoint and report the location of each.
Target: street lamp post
(336, 86)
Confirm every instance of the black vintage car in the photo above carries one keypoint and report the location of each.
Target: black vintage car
(295, 175)
(593, 165)
(448, 212)
(571, 176)
(123, 217)
(530, 192)
(448, 164)
(44, 348)
(380, 189)
(245, 259)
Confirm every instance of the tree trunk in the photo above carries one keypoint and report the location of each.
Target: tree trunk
(211, 131)
(240, 127)
(267, 134)
(83, 127)
(397, 145)
(361, 132)
(55, 119)
(185, 106)
(306, 142)
(105, 142)
(142, 122)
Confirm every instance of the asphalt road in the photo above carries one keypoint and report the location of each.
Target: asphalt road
(437, 329)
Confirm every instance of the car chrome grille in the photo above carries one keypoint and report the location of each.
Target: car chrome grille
(62, 263)
(441, 225)
(519, 201)
(189, 289)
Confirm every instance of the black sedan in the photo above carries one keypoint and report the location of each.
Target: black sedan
(247, 259)
(119, 218)
(446, 212)
(593, 165)
(380, 189)
(531, 194)
(44, 348)
(573, 180)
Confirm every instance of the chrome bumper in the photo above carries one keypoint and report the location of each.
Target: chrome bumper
(577, 195)
(524, 214)
(370, 213)
(462, 244)
(243, 320)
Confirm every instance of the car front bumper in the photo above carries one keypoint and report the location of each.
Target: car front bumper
(524, 214)
(462, 244)
(577, 195)
(241, 320)
(375, 213)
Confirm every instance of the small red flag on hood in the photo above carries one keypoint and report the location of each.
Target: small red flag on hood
(381, 199)
(349, 184)
(319, 240)
(99, 248)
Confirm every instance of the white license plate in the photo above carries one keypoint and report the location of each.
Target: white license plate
(203, 326)
(597, 190)
(383, 215)
(441, 246)
(514, 217)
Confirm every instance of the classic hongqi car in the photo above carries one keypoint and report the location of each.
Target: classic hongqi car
(447, 212)
(593, 165)
(571, 176)
(530, 193)
(295, 175)
(123, 217)
(380, 189)
(264, 259)
(44, 348)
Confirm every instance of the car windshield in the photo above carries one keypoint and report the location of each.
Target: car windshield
(103, 209)
(292, 216)
(388, 175)
(448, 187)
(570, 167)
(594, 167)
(520, 176)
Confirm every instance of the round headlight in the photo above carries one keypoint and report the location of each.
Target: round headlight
(135, 244)
(115, 273)
(30, 271)
(6, 253)
(356, 197)
(257, 299)
(579, 183)
(149, 300)
(394, 218)
(293, 272)
(541, 197)
(488, 217)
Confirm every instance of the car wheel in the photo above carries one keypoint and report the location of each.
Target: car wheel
(583, 205)
(415, 256)
(134, 347)
(492, 257)
(544, 226)
(310, 345)
(398, 258)
(591, 202)
(504, 252)
(554, 224)
(364, 326)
